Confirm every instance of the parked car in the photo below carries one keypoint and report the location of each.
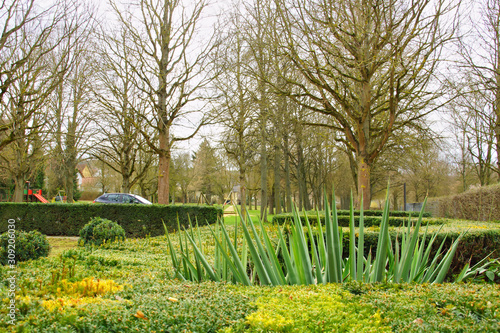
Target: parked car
(122, 198)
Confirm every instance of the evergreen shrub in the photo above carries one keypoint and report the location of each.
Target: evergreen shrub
(99, 231)
(26, 246)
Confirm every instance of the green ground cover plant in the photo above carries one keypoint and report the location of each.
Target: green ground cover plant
(129, 290)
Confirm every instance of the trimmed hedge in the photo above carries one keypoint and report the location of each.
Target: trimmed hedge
(474, 246)
(343, 220)
(480, 204)
(137, 220)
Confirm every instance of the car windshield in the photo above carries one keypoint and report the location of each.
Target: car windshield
(141, 199)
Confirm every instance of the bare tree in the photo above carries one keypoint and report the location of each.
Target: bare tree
(172, 67)
(72, 100)
(369, 65)
(29, 35)
(35, 63)
(237, 111)
(121, 106)
(480, 51)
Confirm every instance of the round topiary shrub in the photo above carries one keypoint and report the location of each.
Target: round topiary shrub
(23, 246)
(99, 231)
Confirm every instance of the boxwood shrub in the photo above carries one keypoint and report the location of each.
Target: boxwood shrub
(27, 246)
(137, 220)
(99, 231)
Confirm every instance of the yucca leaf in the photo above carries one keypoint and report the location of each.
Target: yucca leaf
(292, 274)
(352, 242)
(334, 259)
(259, 266)
(321, 242)
(272, 253)
(270, 270)
(240, 267)
(203, 260)
(409, 250)
(383, 244)
(175, 262)
(446, 262)
(302, 250)
(432, 270)
(235, 266)
(316, 260)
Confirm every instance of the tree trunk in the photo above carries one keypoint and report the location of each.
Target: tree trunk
(19, 189)
(301, 175)
(243, 193)
(345, 202)
(364, 189)
(497, 133)
(271, 201)
(263, 183)
(288, 182)
(277, 179)
(70, 178)
(263, 169)
(125, 183)
(164, 168)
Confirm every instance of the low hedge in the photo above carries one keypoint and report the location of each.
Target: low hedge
(366, 213)
(137, 220)
(343, 220)
(473, 247)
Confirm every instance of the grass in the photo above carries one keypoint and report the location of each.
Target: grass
(60, 244)
(254, 214)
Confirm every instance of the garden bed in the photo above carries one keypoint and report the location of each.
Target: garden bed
(127, 287)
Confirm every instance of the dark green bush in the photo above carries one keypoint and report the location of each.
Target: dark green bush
(99, 231)
(25, 246)
(137, 220)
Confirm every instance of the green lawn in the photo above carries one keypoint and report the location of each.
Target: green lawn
(230, 219)
(60, 244)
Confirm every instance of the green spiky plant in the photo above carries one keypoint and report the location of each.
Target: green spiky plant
(304, 257)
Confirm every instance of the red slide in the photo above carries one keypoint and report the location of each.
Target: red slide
(39, 197)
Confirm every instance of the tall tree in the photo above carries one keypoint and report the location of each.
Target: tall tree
(237, 112)
(34, 61)
(480, 51)
(72, 99)
(28, 36)
(368, 65)
(171, 63)
(121, 104)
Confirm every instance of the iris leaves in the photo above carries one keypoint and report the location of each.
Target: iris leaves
(305, 255)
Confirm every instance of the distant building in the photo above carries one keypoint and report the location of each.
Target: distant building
(87, 177)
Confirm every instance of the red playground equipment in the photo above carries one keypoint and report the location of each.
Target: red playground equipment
(33, 195)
